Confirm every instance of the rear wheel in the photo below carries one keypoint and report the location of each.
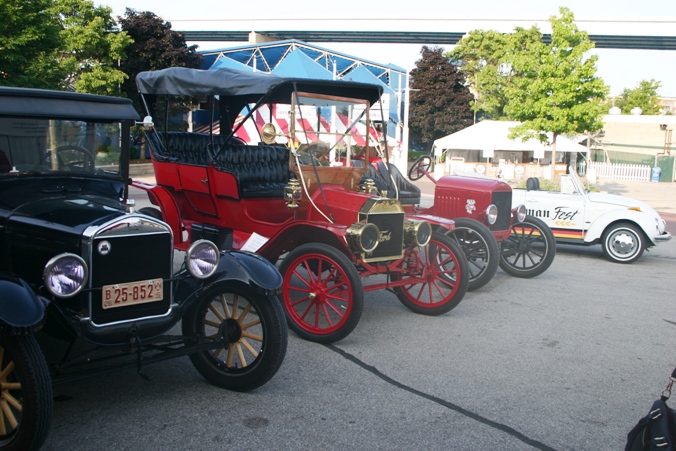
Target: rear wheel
(442, 266)
(623, 243)
(481, 249)
(250, 331)
(322, 293)
(529, 250)
(26, 394)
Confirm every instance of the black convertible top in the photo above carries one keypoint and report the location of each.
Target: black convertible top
(247, 85)
(42, 103)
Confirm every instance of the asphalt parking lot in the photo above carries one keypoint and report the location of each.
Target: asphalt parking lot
(569, 360)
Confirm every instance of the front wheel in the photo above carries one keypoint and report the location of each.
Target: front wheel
(250, 331)
(623, 243)
(323, 295)
(26, 396)
(529, 250)
(439, 277)
(481, 249)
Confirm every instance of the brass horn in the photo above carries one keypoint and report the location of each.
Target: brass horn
(268, 133)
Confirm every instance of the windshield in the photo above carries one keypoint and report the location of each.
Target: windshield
(59, 146)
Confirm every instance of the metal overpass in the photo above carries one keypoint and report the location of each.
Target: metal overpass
(417, 37)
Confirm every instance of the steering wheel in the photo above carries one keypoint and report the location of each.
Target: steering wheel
(68, 158)
(420, 167)
(317, 150)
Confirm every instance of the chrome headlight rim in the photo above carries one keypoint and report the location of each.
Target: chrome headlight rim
(196, 254)
(417, 232)
(491, 214)
(520, 213)
(55, 262)
(363, 237)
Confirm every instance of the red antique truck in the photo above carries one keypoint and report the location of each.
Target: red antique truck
(490, 231)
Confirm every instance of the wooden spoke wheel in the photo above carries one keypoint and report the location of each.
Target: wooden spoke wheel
(249, 332)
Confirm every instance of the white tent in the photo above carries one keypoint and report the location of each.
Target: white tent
(490, 136)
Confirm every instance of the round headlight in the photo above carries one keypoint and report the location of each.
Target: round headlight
(520, 213)
(363, 237)
(202, 259)
(65, 275)
(492, 214)
(417, 232)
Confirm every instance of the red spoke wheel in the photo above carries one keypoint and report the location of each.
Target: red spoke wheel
(444, 271)
(322, 293)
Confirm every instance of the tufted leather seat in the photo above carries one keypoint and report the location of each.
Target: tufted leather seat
(261, 171)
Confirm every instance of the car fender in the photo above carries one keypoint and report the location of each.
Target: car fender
(21, 310)
(162, 198)
(642, 220)
(236, 267)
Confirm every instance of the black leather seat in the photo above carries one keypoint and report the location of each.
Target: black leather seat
(390, 179)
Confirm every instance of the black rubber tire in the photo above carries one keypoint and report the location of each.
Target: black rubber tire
(529, 250)
(33, 394)
(442, 264)
(623, 243)
(481, 249)
(256, 336)
(152, 212)
(322, 309)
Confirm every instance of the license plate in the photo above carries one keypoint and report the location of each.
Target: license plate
(132, 293)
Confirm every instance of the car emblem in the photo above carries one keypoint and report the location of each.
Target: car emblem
(104, 247)
(470, 207)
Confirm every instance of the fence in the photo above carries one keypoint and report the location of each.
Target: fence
(639, 172)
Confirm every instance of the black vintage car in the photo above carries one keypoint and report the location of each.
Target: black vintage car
(87, 285)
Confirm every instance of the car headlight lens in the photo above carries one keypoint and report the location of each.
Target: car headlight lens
(520, 213)
(65, 275)
(362, 237)
(491, 214)
(417, 232)
(202, 259)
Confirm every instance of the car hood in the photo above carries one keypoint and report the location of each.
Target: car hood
(67, 215)
(621, 201)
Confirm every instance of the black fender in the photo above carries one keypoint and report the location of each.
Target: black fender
(21, 310)
(234, 267)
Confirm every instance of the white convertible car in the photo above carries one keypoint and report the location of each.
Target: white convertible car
(624, 227)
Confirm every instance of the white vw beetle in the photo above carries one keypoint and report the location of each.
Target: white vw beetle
(624, 227)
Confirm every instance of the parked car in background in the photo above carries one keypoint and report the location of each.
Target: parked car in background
(278, 169)
(87, 285)
(490, 230)
(623, 227)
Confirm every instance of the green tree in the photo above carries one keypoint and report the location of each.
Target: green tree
(556, 90)
(439, 99)
(156, 46)
(643, 96)
(485, 59)
(29, 44)
(92, 47)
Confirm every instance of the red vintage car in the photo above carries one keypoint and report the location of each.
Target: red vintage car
(279, 172)
(489, 230)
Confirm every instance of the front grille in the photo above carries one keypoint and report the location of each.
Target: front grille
(131, 258)
(502, 200)
(388, 216)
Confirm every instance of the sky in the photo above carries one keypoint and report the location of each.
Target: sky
(619, 68)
